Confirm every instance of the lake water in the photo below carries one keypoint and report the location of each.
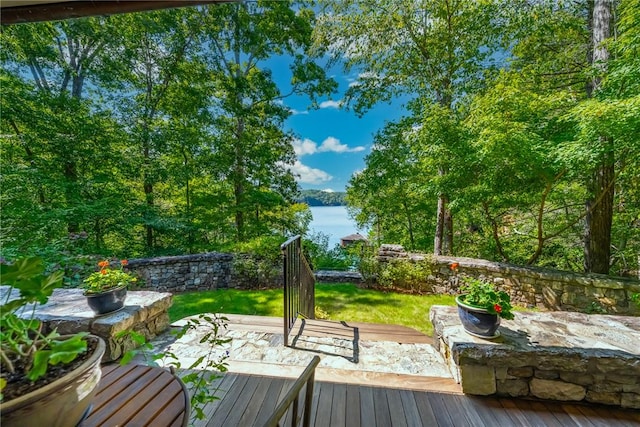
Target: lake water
(334, 222)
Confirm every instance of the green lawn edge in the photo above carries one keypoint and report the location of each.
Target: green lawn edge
(344, 301)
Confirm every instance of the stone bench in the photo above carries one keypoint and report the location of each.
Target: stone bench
(562, 356)
(145, 312)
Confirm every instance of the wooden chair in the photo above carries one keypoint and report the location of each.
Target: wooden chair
(139, 395)
(292, 397)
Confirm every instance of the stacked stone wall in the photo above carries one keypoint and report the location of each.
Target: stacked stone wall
(198, 272)
(204, 272)
(559, 356)
(531, 287)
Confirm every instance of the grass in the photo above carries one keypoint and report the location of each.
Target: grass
(335, 301)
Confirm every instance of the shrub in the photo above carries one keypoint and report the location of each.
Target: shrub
(409, 275)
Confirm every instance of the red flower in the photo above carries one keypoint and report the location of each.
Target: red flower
(124, 262)
(103, 264)
(497, 308)
(103, 271)
(454, 266)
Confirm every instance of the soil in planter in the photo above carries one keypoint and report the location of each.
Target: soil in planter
(18, 384)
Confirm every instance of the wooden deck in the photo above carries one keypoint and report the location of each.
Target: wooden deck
(246, 400)
(376, 399)
(330, 328)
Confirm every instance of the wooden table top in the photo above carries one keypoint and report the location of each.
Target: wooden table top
(138, 395)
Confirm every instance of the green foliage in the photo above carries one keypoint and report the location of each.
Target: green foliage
(595, 308)
(481, 294)
(321, 257)
(107, 279)
(24, 349)
(407, 274)
(636, 298)
(125, 130)
(322, 198)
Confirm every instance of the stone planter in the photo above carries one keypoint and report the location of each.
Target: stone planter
(62, 403)
(107, 302)
(477, 321)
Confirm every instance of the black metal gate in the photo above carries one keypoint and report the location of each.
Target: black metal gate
(299, 285)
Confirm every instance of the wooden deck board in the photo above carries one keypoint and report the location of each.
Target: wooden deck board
(356, 405)
(323, 328)
(339, 406)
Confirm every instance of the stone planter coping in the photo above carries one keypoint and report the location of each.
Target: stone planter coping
(563, 356)
(145, 312)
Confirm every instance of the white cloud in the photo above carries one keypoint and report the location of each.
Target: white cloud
(305, 146)
(331, 144)
(298, 112)
(331, 104)
(334, 145)
(328, 190)
(309, 175)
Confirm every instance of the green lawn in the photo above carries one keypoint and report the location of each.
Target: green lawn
(337, 301)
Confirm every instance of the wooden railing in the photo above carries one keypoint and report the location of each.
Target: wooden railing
(299, 285)
(293, 396)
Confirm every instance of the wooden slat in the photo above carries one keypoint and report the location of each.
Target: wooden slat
(410, 408)
(367, 409)
(222, 411)
(276, 385)
(339, 406)
(110, 400)
(257, 401)
(454, 405)
(539, 413)
(516, 414)
(219, 388)
(352, 402)
(157, 413)
(243, 401)
(330, 328)
(396, 410)
(323, 414)
(424, 408)
(139, 396)
(478, 412)
(381, 407)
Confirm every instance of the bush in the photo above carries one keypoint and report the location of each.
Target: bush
(320, 257)
(258, 262)
(409, 275)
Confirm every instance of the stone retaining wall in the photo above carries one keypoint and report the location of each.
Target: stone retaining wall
(198, 272)
(546, 355)
(544, 289)
(334, 276)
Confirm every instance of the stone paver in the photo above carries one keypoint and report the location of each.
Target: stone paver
(335, 353)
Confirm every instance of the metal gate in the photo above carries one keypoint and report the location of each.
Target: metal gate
(299, 285)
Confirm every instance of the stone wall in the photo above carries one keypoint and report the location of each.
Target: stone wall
(559, 356)
(198, 272)
(208, 271)
(541, 288)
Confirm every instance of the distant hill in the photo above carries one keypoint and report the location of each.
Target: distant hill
(322, 198)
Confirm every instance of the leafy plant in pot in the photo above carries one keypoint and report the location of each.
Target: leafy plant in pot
(106, 289)
(481, 306)
(46, 379)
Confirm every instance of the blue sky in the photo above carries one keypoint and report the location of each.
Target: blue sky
(332, 141)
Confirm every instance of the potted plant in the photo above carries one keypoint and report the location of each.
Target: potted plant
(106, 289)
(46, 379)
(481, 306)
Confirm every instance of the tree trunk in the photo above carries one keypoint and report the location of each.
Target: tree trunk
(599, 205)
(600, 217)
(437, 241)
